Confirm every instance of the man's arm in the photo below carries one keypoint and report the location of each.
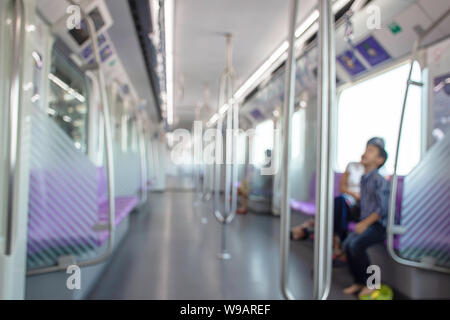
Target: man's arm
(367, 222)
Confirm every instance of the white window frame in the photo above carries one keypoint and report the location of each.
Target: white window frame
(389, 67)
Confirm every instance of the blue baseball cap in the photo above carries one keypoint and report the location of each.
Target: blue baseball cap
(379, 142)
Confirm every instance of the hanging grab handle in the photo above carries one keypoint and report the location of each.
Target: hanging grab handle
(13, 121)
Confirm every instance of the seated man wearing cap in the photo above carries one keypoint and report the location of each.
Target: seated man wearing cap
(371, 228)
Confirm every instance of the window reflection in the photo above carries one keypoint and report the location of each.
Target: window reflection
(264, 140)
(132, 135)
(68, 104)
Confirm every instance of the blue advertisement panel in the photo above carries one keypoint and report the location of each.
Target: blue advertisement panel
(106, 53)
(257, 115)
(351, 63)
(372, 51)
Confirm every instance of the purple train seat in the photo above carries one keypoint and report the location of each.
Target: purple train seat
(123, 205)
(309, 207)
(61, 213)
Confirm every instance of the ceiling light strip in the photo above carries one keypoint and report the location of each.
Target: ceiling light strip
(252, 81)
(169, 35)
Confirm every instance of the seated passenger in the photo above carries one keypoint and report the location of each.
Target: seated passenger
(243, 192)
(345, 207)
(371, 228)
(244, 189)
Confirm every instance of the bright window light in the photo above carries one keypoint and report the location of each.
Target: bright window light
(263, 140)
(298, 136)
(373, 108)
(241, 148)
(169, 34)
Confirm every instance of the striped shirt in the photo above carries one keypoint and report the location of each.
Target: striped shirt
(374, 196)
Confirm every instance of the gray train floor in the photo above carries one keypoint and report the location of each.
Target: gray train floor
(170, 254)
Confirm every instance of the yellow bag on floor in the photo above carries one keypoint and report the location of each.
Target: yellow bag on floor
(384, 293)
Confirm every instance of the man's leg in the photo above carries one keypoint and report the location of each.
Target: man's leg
(340, 217)
(341, 211)
(357, 257)
(243, 208)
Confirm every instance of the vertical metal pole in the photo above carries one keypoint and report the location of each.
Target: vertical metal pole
(235, 158)
(288, 111)
(143, 151)
(331, 145)
(13, 120)
(226, 100)
(324, 185)
(229, 137)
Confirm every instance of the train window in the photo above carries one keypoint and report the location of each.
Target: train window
(117, 120)
(373, 108)
(242, 148)
(263, 140)
(132, 135)
(68, 103)
(298, 135)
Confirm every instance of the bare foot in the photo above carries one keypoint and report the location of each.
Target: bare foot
(365, 292)
(298, 233)
(241, 211)
(354, 288)
(336, 243)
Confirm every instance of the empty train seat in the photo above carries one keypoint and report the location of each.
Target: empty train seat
(123, 205)
(261, 193)
(54, 228)
(63, 204)
(309, 207)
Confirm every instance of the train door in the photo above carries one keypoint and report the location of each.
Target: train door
(16, 92)
(262, 167)
(125, 143)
